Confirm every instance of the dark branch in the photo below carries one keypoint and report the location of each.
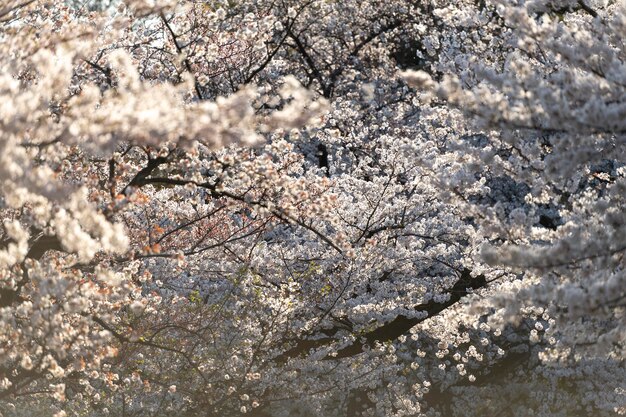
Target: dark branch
(395, 328)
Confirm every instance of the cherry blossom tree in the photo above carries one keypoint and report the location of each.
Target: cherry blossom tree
(300, 207)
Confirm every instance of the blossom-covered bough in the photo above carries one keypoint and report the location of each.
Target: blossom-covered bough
(306, 207)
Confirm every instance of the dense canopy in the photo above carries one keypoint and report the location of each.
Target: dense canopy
(312, 208)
